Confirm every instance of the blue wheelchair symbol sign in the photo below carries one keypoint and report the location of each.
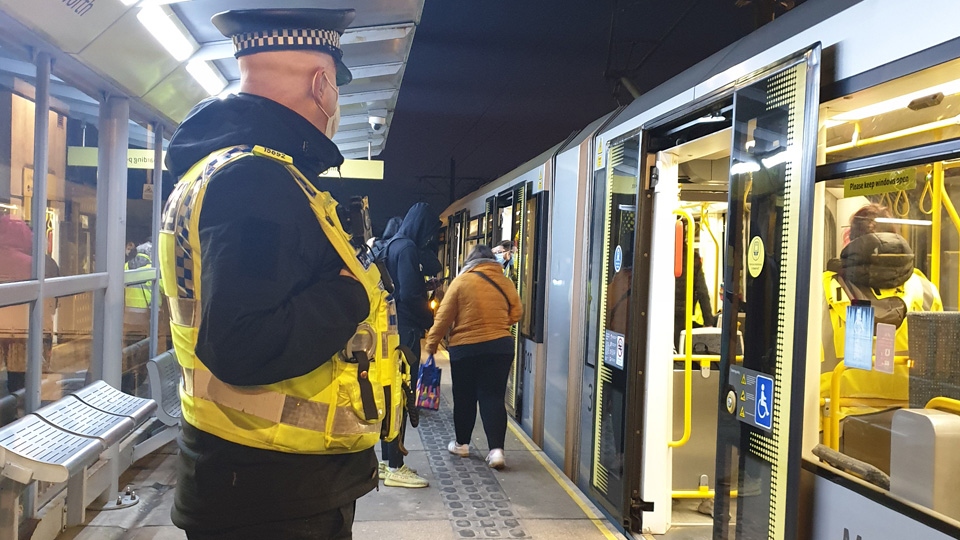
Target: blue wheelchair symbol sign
(763, 413)
(617, 259)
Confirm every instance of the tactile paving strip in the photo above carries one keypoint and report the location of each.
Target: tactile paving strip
(478, 506)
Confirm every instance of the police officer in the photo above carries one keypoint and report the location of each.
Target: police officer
(265, 293)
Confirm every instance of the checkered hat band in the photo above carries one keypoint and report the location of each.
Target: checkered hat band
(288, 38)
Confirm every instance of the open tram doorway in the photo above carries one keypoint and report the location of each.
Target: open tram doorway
(711, 446)
(690, 166)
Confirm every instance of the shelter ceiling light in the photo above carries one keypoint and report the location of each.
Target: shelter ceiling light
(209, 78)
(899, 102)
(160, 23)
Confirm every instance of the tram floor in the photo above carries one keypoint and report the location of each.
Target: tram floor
(529, 498)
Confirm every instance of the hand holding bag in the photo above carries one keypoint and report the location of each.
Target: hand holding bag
(428, 385)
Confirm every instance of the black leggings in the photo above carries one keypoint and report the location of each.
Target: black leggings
(481, 379)
(390, 451)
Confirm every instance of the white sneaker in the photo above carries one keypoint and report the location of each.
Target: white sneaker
(462, 450)
(495, 459)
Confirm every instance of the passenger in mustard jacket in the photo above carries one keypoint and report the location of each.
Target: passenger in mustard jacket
(478, 311)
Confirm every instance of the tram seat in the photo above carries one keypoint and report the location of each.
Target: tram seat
(923, 464)
(58, 443)
(707, 340)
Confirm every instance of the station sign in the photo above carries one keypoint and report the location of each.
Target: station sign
(137, 158)
(751, 399)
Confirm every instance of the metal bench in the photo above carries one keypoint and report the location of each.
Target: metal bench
(58, 442)
(163, 372)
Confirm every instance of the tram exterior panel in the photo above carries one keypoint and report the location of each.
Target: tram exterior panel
(626, 452)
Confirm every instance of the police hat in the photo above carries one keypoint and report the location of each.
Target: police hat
(259, 30)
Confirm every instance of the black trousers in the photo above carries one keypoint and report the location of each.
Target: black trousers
(480, 379)
(390, 451)
(335, 524)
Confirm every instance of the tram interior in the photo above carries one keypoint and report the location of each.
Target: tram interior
(890, 399)
(702, 167)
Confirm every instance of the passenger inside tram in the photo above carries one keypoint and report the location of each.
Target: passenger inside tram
(892, 261)
(876, 266)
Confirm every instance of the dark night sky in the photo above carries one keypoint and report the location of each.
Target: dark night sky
(493, 84)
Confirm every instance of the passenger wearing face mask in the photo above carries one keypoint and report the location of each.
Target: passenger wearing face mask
(504, 252)
(264, 294)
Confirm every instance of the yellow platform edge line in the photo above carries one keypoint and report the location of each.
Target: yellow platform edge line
(597, 519)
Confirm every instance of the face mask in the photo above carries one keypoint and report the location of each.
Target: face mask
(333, 120)
(500, 258)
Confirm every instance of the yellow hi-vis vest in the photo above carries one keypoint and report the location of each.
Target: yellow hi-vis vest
(345, 405)
(139, 295)
(874, 389)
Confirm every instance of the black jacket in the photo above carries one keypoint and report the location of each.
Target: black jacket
(393, 225)
(403, 254)
(273, 307)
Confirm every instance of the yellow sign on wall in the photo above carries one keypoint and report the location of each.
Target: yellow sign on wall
(358, 169)
(86, 156)
(885, 182)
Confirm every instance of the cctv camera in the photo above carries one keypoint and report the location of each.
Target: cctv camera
(377, 122)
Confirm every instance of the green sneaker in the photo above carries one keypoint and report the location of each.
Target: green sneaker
(383, 467)
(404, 477)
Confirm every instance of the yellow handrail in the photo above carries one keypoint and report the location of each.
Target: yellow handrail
(702, 493)
(944, 404)
(834, 429)
(688, 341)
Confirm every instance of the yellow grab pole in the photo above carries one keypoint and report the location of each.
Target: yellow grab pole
(937, 219)
(834, 441)
(952, 212)
(688, 341)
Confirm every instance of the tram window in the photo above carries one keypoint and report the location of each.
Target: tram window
(893, 264)
(918, 109)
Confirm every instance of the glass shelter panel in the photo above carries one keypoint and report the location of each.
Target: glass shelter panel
(69, 348)
(72, 193)
(609, 285)
(14, 321)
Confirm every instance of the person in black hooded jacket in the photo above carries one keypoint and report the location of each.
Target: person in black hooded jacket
(405, 255)
(276, 299)
(389, 231)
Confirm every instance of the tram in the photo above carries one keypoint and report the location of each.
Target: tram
(719, 279)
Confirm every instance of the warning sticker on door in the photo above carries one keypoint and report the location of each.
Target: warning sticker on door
(754, 391)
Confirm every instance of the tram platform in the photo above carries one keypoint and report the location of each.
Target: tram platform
(529, 498)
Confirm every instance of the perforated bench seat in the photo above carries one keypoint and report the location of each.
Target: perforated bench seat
(108, 399)
(34, 449)
(164, 374)
(72, 415)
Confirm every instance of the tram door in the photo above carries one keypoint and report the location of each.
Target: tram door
(609, 341)
(769, 219)
(510, 210)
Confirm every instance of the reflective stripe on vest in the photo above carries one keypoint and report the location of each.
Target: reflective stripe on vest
(336, 408)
